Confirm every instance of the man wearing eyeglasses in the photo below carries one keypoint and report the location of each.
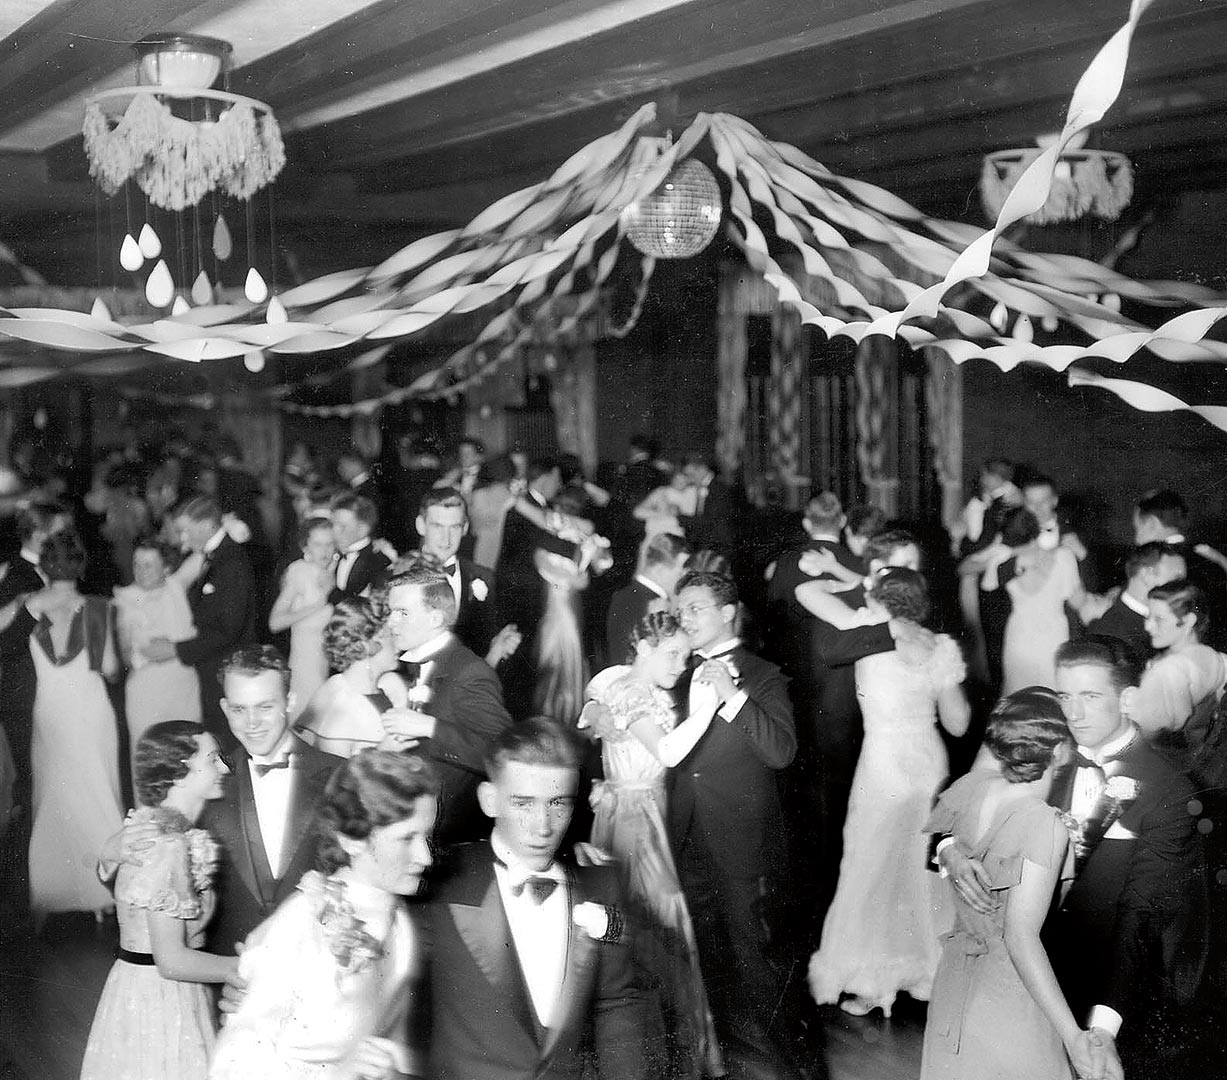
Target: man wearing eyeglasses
(725, 823)
(455, 704)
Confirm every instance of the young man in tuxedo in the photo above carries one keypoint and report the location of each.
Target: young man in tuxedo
(662, 564)
(262, 822)
(1148, 566)
(713, 524)
(1128, 941)
(442, 523)
(725, 823)
(529, 965)
(361, 566)
(223, 604)
(455, 705)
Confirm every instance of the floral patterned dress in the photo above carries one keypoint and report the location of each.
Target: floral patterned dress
(629, 823)
(147, 1027)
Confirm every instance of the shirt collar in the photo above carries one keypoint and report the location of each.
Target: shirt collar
(824, 538)
(648, 583)
(360, 479)
(1111, 748)
(516, 870)
(720, 648)
(1133, 604)
(214, 541)
(30, 556)
(358, 545)
(428, 650)
(1175, 538)
(280, 753)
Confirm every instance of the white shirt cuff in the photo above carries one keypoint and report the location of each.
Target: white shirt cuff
(734, 705)
(1107, 1018)
(942, 844)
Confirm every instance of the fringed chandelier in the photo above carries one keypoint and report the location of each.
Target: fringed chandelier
(186, 147)
(1097, 183)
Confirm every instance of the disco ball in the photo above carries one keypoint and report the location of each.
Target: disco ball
(679, 218)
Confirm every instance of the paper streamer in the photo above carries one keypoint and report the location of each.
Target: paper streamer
(1146, 398)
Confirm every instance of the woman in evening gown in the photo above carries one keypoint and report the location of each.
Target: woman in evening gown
(996, 1010)
(155, 606)
(302, 607)
(344, 715)
(75, 747)
(631, 712)
(880, 934)
(154, 1020)
(330, 974)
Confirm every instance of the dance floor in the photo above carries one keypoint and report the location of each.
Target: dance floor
(48, 992)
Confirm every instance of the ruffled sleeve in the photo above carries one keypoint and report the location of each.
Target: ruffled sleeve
(947, 668)
(163, 883)
(1034, 833)
(631, 702)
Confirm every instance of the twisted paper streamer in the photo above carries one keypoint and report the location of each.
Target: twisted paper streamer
(1146, 398)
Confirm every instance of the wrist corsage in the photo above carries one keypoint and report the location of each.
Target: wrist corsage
(346, 935)
(600, 922)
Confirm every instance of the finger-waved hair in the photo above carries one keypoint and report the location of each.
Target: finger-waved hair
(903, 593)
(1024, 731)
(161, 758)
(350, 632)
(653, 628)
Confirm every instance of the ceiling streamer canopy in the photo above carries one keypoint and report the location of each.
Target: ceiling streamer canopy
(539, 264)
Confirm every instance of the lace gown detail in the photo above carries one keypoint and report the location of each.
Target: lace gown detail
(982, 1020)
(629, 823)
(147, 1027)
(881, 933)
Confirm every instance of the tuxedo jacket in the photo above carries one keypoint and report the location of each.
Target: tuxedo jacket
(466, 700)
(1130, 931)
(724, 792)
(715, 527)
(247, 892)
(626, 607)
(476, 618)
(370, 570)
(20, 577)
(483, 1026)
(521, 589)
(789, 626)
(1124, 624)
(223, 606)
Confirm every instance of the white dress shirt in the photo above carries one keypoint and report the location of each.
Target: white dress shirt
(702, 696)
(540, 931)
(453, 578)
(1089, 783)
(273, 792)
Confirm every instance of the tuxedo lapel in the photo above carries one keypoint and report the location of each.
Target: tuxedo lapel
(296, 847)
(253, 861)
(482, 924)
(575, 992)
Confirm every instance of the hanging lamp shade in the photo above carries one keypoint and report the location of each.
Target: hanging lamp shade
(180, 60)
(680, 218)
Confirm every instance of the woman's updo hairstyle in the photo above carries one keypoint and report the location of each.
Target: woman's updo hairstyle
(1024, 731)
(62, 558)
(372, 789)
(653, 628)
(351, 632)
(161, 757)
(1019, 527)
(1185, 598)
(903, 593)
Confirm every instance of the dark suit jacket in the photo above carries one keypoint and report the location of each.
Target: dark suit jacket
(626, 607)
(715, 527)
(1124, 624)
(483, 1024)
(476, 620)
(467, 701)
(725, 789)
(20, 577)
(1129, 934)
(223, 610)
(521, 590)
(370, 569)
(246, 889)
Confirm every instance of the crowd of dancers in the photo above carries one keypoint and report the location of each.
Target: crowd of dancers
(644, 757)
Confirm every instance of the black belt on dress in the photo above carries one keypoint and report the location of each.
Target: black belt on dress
(144, 959)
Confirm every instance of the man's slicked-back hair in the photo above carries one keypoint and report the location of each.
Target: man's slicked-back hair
(1166, 506)
(436, 589)
(253, 660)
(198, 509)
(722, 588)
(1109, 653)
(447, 497)
(359, 505)
(538, 740)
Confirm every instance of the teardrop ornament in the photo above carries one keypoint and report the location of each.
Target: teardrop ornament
(276, 313)
(151, 246)
(254, 287)
(998, 317)
(159, 286)
(1023, 330)
(130, 257)
(254, 362)
(222, 244)
(99, 310)
(180, 307)
(202, 290)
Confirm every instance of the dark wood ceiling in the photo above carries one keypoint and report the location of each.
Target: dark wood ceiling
(406, 116)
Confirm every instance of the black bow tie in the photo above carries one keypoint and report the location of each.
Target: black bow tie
(1084, 762)
(411, 669)
(263, 769)
(539, 888)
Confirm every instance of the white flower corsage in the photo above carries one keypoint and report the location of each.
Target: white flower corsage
(1121, 788)
(207, 589)
(203, 857)
(419, 694)
(599, 922)
(353, 948)
(479, 589)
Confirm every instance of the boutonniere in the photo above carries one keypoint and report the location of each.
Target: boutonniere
(600, 922)
(419, 695)
(353, 948)
(207, 589)
(1121, 788)
(479, 589)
